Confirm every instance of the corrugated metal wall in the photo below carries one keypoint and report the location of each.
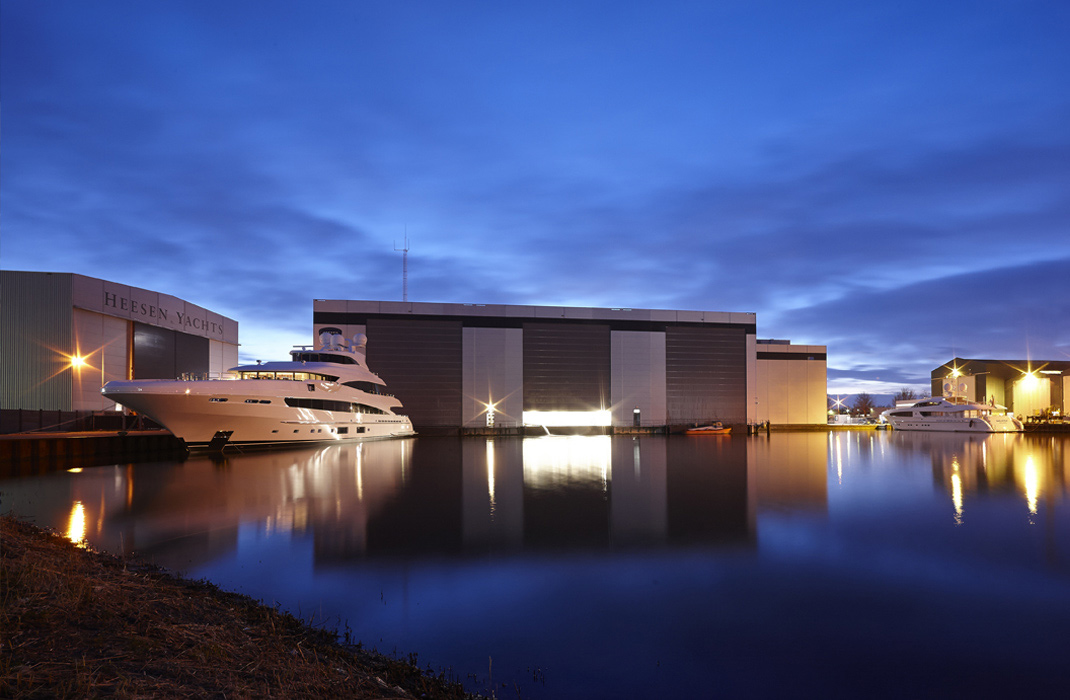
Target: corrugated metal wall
(706, 374)
(421, 363)
(493, 372)
(638, 377)
(36, 340)
(566, 367)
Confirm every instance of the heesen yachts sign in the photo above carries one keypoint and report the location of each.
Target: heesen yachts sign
(177, 318)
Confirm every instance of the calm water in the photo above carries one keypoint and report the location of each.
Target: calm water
(803, 564)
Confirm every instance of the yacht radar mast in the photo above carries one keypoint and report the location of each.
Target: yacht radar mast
(404, 267)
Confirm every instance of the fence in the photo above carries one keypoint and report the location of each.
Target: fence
(21, 420)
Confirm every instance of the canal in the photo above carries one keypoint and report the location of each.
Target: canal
(842, 564)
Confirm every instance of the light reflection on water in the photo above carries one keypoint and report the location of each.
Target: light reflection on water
(619, 567)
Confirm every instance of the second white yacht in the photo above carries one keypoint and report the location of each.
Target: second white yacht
(955, 414)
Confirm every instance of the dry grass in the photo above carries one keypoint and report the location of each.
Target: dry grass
(76, 623)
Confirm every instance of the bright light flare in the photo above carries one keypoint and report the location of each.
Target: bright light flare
(568, 419)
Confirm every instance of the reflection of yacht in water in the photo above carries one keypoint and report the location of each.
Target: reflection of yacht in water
(954, 414)
(323, 395)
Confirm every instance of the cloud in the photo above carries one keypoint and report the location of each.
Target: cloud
(1017, 312)
(844, 185)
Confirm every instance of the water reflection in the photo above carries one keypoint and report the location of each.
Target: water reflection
(453, 496)
(968, 466)
(865, 552)
(442, 496)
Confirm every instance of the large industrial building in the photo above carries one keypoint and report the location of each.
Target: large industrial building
(1025, 387)
(477, 366)
(65, 335)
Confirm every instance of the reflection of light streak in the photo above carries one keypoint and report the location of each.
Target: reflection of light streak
(360, 471)
(956, 491)
(490, 474)
(558, 460)
(76, 526)
(839, 462)
(1032, 484)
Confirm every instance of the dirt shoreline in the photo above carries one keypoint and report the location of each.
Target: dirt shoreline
(78, 623)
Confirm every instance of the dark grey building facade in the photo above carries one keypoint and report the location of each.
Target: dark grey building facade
(464, 366)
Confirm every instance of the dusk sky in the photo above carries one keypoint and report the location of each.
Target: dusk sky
(889, 179)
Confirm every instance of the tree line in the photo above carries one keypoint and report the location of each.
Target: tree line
(864, 404)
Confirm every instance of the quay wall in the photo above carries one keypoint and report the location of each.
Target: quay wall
(41, 453)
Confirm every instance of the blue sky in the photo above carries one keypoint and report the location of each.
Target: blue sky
(888, 179)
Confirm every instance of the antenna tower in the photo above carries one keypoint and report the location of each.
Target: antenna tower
(404, 268)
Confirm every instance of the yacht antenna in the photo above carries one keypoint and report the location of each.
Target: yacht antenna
(404, 267)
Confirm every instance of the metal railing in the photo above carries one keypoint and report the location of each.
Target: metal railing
(23, 420)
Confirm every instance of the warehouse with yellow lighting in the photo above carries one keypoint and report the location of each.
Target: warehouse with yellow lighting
(1027, 388)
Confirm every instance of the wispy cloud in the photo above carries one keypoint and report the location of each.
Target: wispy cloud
(892, 188)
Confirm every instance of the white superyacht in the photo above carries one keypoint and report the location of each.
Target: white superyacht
(952, 414)
(320, 395)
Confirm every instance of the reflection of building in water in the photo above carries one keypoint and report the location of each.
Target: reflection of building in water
(790, 473)
(1033, 467)
(584, 492)
(435, 497)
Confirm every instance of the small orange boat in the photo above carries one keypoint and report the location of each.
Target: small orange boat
(712, 429)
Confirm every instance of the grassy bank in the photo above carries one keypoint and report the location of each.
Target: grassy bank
(76, 623)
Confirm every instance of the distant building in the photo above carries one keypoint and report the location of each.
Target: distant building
(1026, 387)
(472, 365)
(65, 335)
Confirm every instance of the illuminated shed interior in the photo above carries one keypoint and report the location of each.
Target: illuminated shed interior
(1026, 387)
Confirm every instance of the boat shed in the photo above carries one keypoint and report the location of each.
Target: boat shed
(1026, 387)
(66, 335)
(476, 366)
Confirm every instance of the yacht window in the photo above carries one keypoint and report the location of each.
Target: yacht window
(343, 431)
(320, 404)
(311, 387)
(218, 399)
(323, 357)
(369, 387)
